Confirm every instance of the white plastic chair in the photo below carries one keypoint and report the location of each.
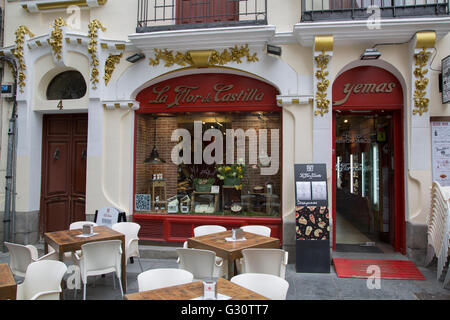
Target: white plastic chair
(163, 277)
(267, 285)
(20, 257)
(131, 231)
(99, 257)
(42, 281)
(201, 263)
(208, 229)
(261, 230)
(269, 261)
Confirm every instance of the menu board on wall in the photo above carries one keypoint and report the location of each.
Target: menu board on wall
(440, 144)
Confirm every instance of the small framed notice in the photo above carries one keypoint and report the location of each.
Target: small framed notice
(215, 189)
(108, 216)
(445, 63)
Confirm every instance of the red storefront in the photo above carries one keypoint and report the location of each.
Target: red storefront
(368, 160)
(207, 151)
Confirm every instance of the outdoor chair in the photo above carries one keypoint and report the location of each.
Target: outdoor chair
(163, 277)
(208, 229)
(42, 281)
(267, 285)
(261, 230)
(201, 263)
(98, 258)
(20, 257)
(261, 260)
(131, 231)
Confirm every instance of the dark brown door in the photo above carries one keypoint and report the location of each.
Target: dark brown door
(205, 11)
(64, 153)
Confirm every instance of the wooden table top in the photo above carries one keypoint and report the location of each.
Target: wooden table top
(8, 286)
(6, 276)
(224, 248)
(70, 238)
(193, 290)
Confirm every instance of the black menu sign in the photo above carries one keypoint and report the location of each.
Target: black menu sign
(312, 218)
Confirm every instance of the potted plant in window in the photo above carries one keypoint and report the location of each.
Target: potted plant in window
(232, 174)
(203, 184)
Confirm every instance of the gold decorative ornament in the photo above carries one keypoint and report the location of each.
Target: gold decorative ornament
(425, 39)
(92, 49)
(110, 65)
(18, 53)
(323, 103)
(56, 37)
(203, 58)
(323, 43)
(420, 101)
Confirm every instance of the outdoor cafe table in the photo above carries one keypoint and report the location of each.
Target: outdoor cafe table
(8, 286)
(194, 290)
(70, 240)
(231, 250)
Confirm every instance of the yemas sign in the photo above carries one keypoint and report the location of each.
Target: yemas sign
(367, 86)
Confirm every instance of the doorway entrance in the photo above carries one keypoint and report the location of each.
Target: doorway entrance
(64, 153)
(368, 178)
(365, 181)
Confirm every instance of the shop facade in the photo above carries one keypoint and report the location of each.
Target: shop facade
(180, 126)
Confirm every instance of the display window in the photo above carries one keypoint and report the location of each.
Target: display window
(216, 156)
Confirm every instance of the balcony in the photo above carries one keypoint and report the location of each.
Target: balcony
(163, 15)
(329, 10)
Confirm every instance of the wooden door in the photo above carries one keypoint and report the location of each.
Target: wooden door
(64, 153)
(206, 11)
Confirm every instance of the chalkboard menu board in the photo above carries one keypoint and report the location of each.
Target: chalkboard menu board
(312, 218)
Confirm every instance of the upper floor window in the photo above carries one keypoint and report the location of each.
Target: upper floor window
(155, 15)
(67, 85)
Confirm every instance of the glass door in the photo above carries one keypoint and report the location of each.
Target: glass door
(364, 151)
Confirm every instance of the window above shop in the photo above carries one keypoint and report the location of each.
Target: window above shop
(371, 10)
(155, 15)
(67, 85)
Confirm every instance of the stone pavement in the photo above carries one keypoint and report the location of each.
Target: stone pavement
(302, 286)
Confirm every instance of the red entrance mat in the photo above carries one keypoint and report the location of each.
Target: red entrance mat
(390, 269)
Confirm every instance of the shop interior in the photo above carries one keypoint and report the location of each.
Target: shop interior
(208, 163)
(364, 179)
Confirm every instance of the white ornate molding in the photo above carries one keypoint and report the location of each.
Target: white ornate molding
(287, 100)
(201, 39)
(353, 31)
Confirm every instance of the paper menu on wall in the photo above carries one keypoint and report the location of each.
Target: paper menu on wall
(440, 144)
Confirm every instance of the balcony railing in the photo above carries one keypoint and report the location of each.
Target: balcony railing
(158, 15)
(318, 10)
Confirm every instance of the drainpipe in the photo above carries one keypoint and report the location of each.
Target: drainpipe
(10, 162)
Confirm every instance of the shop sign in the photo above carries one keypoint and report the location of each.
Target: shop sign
(207, 90)
(367, 86)
(185, 94)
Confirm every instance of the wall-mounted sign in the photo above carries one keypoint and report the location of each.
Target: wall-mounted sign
(366, 86)
(440, 144)
(445, 79)
(312, 218)
(206, 90)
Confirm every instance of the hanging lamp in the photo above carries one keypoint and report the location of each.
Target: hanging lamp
(154, 155)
